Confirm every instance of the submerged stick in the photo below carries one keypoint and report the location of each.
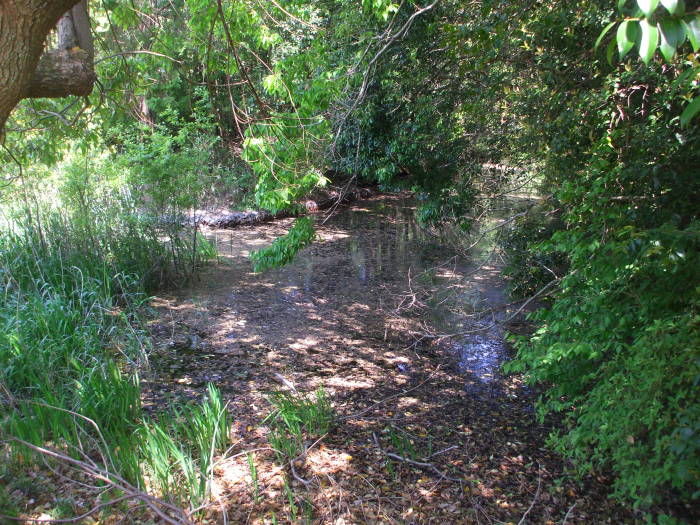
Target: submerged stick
(421, 464)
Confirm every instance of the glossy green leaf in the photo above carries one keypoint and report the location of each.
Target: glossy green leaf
(650, 39)
(602, 34)
(674, 7)
(648, 6)
(690, 111)
(610, 52)
(633, 10)
(672, 35)
(627, 35)
(692, 30)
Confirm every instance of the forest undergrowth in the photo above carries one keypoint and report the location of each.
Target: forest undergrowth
(75, 273)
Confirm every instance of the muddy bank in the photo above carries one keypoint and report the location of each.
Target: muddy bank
(365, 312)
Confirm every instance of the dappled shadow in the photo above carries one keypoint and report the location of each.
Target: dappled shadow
(358, 313)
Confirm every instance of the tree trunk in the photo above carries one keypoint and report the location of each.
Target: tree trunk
(24, 26)
(74, 29)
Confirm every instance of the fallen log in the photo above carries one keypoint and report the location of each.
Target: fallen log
(243, 218)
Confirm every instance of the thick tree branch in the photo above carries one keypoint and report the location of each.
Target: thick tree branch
(24, 26)
(62, 72)
(68, 70)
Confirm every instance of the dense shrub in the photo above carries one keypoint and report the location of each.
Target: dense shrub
(528, 269)
(618, 347)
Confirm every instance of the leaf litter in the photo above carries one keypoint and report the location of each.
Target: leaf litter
(425, 431)
(420, 436)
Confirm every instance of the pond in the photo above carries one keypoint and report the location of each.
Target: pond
(374, 280)
(404, 334)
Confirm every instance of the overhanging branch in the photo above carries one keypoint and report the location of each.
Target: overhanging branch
(69, 69)
(62, 72)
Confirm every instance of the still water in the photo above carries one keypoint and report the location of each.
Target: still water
(375, 271)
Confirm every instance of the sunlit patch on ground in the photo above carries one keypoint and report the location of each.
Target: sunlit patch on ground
(417, 438)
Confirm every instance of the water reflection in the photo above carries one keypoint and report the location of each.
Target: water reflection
(370, 253)
(385, 245)
(382, 242)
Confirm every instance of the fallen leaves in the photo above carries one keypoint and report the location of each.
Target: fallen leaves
(315, 323)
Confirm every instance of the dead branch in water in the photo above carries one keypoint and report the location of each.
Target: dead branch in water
(422, 464)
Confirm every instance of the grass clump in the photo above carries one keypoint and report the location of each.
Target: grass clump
(179, 449)
(296, 416)
(63, 331)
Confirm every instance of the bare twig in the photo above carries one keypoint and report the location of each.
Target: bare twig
(167, 512)
(497, 227)
(442, 451)
(301, 480)
(534, 500)
(290, 15)
(494, 323)
(341, 197)
(138, 52)
(370, 67)
(70, 520)
(421, 464)
(20, 175)
(566, 516)
(286, 382)
(241, 68)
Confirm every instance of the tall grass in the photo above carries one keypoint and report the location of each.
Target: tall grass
(73, 275)
(180, 447)
(296, 416)
(66, 318)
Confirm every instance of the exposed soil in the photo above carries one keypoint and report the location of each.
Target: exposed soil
(358, 313)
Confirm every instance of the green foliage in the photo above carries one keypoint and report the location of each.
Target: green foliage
(449, 205)
(283, 249)
(62, 325)
(528, 268)
(402, 444)
(617, 347)
(281, 157)
(250, 458)
(179, 449)
(627, 358)
(301, 88)
(380, 8)
(647, 27)
(63, 508)
(75, 263)
(170, 162)
(294, 418)
(293, 509)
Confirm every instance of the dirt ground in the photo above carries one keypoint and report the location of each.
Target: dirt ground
(357, 313)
